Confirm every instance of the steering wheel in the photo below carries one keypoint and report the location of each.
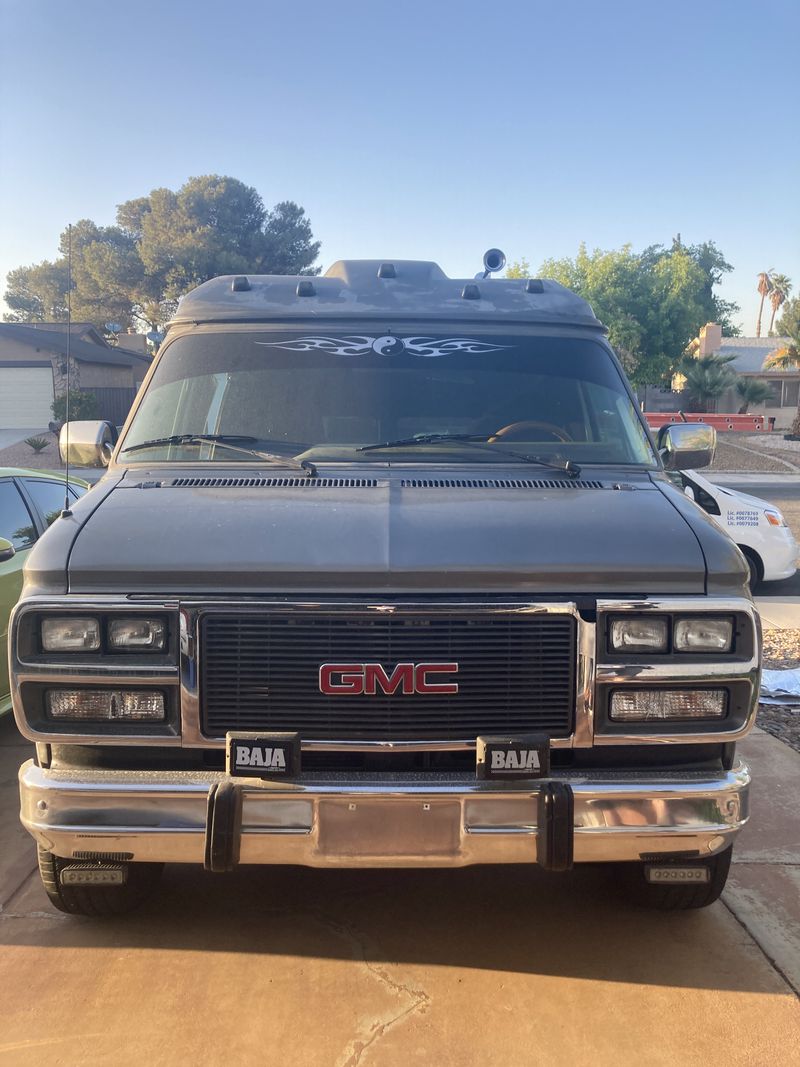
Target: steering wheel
(517, 431)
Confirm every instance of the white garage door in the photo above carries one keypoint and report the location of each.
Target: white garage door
(26, 394)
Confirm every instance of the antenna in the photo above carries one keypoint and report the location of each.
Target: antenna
(65, 514)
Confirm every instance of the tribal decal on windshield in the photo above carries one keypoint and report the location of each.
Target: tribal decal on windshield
(386, 346)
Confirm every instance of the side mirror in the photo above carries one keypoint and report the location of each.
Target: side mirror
(7, 550)
(90, 443)
(686, 445)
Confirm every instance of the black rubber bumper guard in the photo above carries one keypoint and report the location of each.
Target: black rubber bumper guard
(554, 840)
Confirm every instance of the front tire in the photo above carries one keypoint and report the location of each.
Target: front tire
(756, 569)
(683, 897)
(97, 901)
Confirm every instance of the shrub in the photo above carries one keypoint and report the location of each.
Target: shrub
(37, 443)
(81, 405)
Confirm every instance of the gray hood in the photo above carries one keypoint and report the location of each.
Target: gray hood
(390, 537)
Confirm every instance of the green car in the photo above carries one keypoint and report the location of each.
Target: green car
(29, 502)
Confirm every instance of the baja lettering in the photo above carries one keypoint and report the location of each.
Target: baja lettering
(515, 761)
(370, 679)
(272, 758)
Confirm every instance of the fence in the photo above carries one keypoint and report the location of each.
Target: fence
(113, 403)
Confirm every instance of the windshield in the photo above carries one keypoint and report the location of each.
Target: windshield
(324, 398)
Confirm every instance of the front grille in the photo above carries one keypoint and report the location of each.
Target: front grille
(261, 672)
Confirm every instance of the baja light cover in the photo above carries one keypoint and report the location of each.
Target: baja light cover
(106, 705)
(701, 634)
(667, 705)
(137, 633)
(639, 633)
(71, 635)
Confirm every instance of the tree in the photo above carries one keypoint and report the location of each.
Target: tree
(163, 245)
(653, 302)
(788, 357)
(752, 391)
(764, 288)
(781, 287)
(706, 379)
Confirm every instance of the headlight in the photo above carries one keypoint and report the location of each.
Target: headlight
(641, 705)
(774, 518)
(71, 635)
(639, 633)
(147, 635)
(112, 705)
(701, 634)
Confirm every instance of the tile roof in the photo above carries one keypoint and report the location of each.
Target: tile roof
(83, 351)
(750, 352)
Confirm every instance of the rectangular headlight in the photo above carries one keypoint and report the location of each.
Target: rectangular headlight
(137, 633)
(675, 705)
(106, 705)
(702, 634)
(639, 633)
(71, 635)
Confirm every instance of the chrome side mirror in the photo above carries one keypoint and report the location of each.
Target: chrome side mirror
(7, 550)
(686, 445)
(90, 443)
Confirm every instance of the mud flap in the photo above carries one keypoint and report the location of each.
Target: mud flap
(555, 830)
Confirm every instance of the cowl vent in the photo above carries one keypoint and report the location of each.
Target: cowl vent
(274, 483)
(499, 483)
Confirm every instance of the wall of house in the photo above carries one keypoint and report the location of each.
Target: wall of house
(105, 376)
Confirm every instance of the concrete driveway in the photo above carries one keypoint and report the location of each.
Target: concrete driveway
(477, 966)
(12, 437)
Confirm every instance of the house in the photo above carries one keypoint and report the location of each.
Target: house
(749, 356)
(33, 371)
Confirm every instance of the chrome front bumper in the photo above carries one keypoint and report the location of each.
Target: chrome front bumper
(382, 821)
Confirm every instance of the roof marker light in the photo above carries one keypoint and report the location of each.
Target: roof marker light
(387, 270)
(240, 284)
(306, 288)
(534, 285)
(470, 292)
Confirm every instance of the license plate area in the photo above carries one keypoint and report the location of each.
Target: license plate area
(259, 755)
(389, 829)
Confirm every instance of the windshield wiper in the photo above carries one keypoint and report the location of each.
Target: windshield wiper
(477, 441)
(227, 441)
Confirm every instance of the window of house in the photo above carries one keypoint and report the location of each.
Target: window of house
(791, 392)
(776, 390)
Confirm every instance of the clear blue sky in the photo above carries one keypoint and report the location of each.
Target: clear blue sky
(417, 129)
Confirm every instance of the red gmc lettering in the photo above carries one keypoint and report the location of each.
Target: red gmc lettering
(369, 679)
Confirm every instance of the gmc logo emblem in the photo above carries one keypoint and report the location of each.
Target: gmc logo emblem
(368, 679)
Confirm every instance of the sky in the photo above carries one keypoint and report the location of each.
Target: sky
(419, 130)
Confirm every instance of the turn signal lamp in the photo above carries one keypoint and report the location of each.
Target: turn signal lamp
(674, 705)
(106, 705)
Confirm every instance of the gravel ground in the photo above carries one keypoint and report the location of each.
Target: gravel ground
(22, 455)
(781, 652)
(761, 452)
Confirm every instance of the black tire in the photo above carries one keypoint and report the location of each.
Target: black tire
(95, 900)
(684, 897)
(756, 569)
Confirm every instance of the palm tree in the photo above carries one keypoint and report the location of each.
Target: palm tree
(764, 287)
(752, 391)
(781, 287)
(706, 379)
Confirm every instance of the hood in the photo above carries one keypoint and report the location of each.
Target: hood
(425, 533)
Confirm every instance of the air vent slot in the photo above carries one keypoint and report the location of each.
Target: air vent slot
(274, 483)
(499, 483)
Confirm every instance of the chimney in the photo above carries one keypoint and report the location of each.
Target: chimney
(710, 339)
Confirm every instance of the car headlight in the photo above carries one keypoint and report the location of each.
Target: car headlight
(676, 705)
(136, 632)
(71, 635)
(703, 634)
(774, 518)
(639, 633)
